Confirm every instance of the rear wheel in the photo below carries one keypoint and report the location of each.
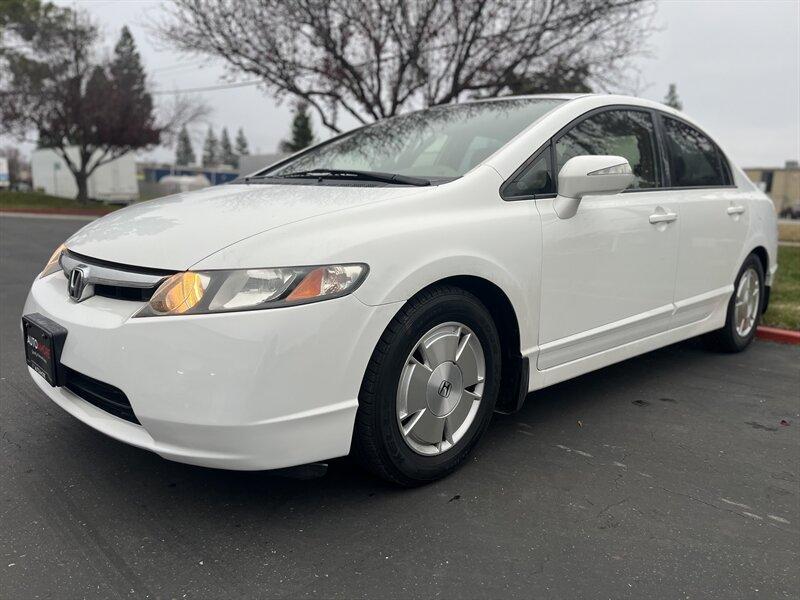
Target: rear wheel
(430, 388)
(744, 308)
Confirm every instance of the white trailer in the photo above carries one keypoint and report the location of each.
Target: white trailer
(5, 179)
(113, 182)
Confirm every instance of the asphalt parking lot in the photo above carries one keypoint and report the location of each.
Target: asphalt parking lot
(670, 475)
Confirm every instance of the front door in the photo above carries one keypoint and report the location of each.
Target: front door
(608, 273)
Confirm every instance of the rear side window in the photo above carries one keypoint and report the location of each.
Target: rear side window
(694, 160)
(626, 133)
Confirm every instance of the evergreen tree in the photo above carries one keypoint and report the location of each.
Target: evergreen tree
(241, 144)
(671, 99)
(211, 149)
(129, 95)
(226, 155)
(302, 133)
(184, 153)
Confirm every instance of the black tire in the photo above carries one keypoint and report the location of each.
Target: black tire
(728, 339)
(377, 440)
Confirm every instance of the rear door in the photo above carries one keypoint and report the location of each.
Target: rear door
(714, 218)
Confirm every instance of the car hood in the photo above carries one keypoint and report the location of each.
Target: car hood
(178, 231)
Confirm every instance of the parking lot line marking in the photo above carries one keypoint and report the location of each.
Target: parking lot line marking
(779, 519)
(732, 503)
(751, 515)
(581, 452)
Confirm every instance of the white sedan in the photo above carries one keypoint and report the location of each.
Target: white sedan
(384, 292)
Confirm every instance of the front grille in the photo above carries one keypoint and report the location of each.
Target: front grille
(119, 292)
(115, 280)
(102, 395)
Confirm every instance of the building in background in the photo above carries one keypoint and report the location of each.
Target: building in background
(161, 179)
(782, 184)
(114, 182)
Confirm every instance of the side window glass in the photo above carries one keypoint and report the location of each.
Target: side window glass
(626, 133)
(693, 158)
(533, 180)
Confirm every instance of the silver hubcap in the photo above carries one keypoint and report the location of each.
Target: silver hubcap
(747, 302)
(440, 388)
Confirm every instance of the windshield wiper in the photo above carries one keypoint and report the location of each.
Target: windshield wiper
(357, 175)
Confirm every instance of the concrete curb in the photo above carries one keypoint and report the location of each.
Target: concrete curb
(56, 212)
(39, 215)
(773, 334)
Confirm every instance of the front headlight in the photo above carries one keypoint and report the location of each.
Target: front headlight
(202, 292)
(53, 265)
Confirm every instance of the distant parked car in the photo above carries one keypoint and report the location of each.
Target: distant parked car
(386, 291)
(790, 212)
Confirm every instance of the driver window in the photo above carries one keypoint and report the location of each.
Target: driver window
(626, 133)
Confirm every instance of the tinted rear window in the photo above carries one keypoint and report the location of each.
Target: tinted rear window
(694, 160)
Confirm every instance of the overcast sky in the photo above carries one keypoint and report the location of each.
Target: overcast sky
(736, 64)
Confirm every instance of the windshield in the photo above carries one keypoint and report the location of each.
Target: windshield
(440, 142)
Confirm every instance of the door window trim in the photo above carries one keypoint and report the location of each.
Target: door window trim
(657, 160)
(726, 167)
(661, 162)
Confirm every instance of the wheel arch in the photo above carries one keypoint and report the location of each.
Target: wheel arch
(763, 257)
(515, 368)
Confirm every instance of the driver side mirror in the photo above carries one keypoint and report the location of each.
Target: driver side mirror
(590, 176)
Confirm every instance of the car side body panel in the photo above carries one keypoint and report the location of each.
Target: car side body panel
(462, 228)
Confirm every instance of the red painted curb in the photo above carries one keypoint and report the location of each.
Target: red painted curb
(773, 334)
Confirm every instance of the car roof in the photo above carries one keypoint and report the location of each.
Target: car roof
(593, 97)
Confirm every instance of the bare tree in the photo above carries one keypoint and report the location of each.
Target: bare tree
(373, 59)
(89, 111)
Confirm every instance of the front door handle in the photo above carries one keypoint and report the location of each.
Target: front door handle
(663, 218)
(735, 210)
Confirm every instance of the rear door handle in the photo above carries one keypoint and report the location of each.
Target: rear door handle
(735, 210)
(663, 218)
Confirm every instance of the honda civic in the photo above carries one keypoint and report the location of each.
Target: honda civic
(383, 293)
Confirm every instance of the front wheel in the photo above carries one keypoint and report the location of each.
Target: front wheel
(430, 388)
(744, 308)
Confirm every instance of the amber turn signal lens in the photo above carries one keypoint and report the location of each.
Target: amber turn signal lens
(179, 294)
(310, 287)
(53, 263)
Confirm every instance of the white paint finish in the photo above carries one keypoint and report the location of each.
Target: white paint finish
(272, 388)
(221, 390)
(177, 231)
(543, 378)
(711, 241)
(697, 308)
(461, 228)
(608, 275)
(597, 340)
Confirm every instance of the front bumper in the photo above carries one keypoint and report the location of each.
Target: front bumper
(249, 390)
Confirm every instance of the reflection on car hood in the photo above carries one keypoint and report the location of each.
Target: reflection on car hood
(177, 231)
